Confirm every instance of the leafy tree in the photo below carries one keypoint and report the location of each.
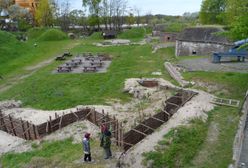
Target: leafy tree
(5, 4)
(130, 19)
(44, 14)
(94, 9)
(239, 28)
(213, 12)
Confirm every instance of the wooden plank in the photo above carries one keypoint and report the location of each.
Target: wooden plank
(147, 127)
(164, 111)
(172, 104)
(158, 119)
(75, 115)
(25, 136)
(123, 142)
(35, 131)
(60, 122)
(139, 132)
(28, 126)
(12, 125)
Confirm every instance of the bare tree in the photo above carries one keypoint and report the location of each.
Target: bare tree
(64, 16)
(137, 12)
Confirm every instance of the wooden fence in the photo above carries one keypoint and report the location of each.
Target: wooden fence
(29, 131)
(148, 126)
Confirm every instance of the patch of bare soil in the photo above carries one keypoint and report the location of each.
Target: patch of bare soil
(11, 143)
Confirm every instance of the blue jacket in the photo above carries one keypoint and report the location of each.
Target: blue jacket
(86, 146)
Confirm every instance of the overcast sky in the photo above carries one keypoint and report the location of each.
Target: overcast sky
(168, 7)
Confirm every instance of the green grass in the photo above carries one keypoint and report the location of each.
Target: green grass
(236, 84)
(217, 153)
(184, 146)
(52, 35)
(134, 34)
(190, 147)
(52, 154)
(16, 56)
(58, 91)
(96, 36)
(36, 32)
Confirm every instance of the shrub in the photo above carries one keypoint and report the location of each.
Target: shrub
(133, 33)
(53, 35)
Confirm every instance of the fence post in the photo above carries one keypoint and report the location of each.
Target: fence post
(50, 123)
(117, 133)
(35, 133)
(12, 125)
(2, 122)
(28, 127)
(23, 129)
(121, 136)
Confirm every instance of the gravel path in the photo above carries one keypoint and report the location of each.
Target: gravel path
(205, 64)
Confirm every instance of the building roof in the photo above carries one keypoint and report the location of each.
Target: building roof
(4, 13)
(203, 34)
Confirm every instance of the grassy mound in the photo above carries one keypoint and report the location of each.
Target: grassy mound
(36, 32)
(9, 48)
(53, 35)
(96, 36)
(134, 33)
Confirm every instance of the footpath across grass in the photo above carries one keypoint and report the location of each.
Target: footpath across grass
(197, 145)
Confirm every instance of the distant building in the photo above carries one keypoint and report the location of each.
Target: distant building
(160, 31)
(202, 41)
(168, 37)
(31, 5)
(109, 34)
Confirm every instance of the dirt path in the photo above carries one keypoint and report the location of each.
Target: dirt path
(30, 70)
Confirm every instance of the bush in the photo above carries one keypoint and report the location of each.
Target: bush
(133, 33)
(53, 35)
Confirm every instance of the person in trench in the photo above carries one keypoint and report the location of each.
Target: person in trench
(106, 141)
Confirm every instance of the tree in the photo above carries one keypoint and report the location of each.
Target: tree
(5, 4)
(213, 12)
(235, 8)
(44, 14)
(64, 20)
(130, 19)
(94, 9)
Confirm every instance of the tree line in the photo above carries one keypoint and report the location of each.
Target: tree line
(232, 13)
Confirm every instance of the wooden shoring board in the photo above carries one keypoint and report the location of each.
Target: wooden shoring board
(172, 104)
(114, 140)
(158, 119)
(147, 126)
(139, 132)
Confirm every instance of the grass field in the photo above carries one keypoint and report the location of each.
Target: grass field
(45, 90)
(58, 91)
